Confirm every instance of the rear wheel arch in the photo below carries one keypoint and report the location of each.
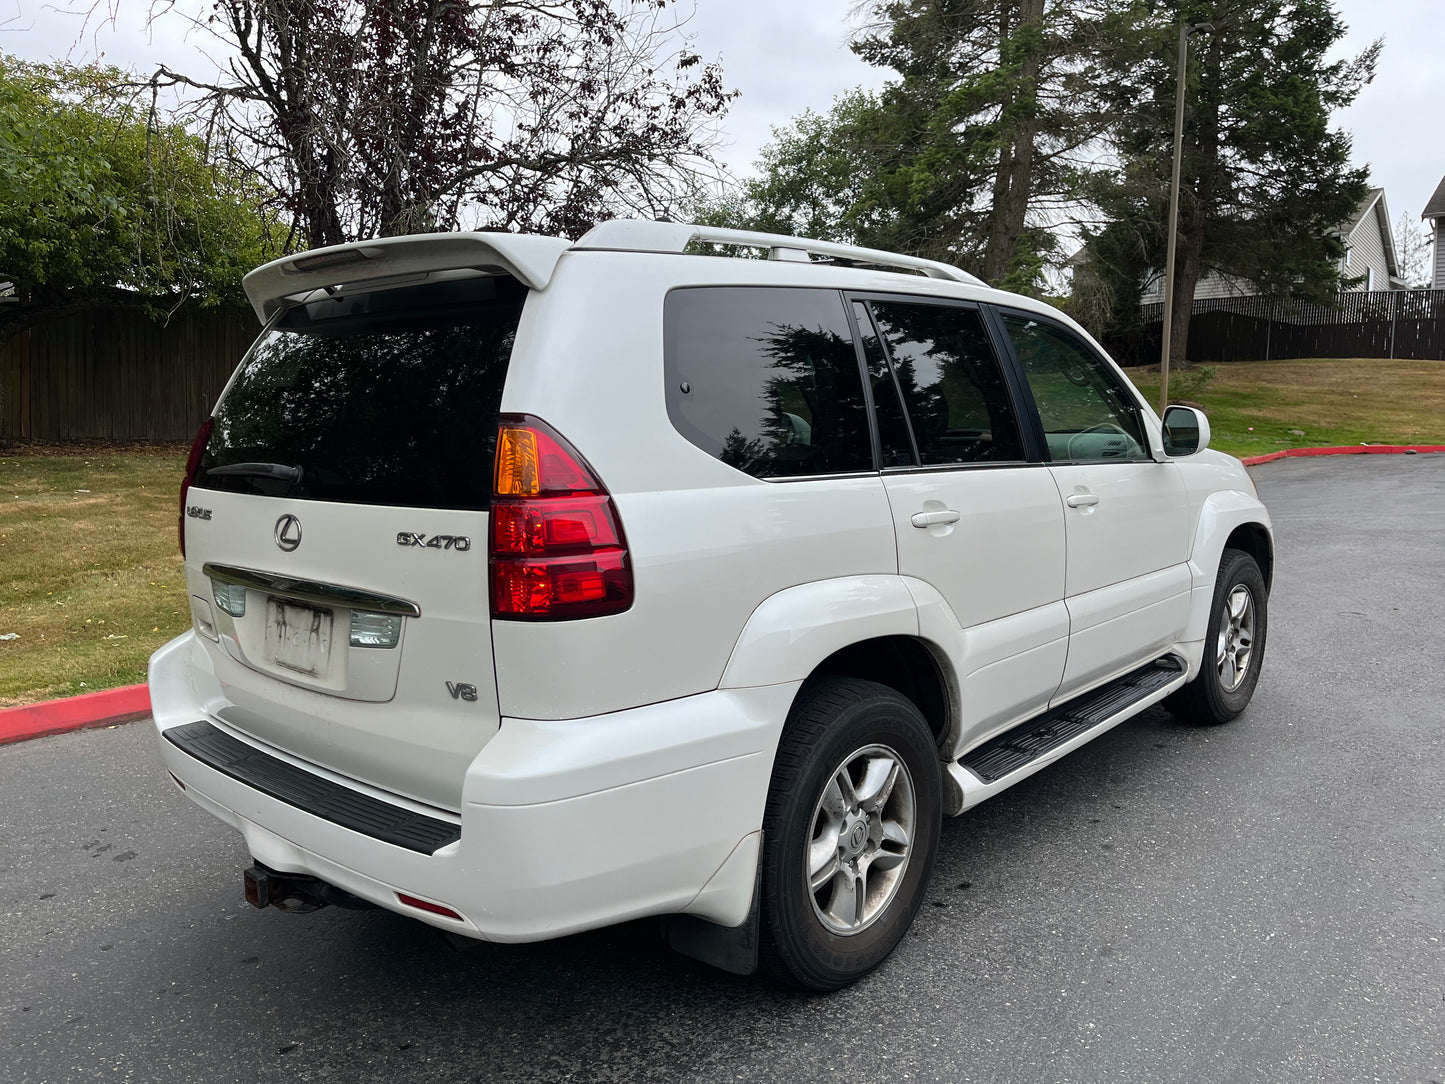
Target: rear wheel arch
(909, 665)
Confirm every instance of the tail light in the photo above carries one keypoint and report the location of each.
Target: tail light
(556, 549)
(193, 463)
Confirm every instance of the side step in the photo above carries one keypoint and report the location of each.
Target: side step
(1034, 739)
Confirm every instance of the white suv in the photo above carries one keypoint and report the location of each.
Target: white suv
(539, 586)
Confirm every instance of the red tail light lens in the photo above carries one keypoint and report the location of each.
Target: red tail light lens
(193, 463)
(557, 550)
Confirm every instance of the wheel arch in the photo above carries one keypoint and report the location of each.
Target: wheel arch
(1228, 519)
(854, 626)
(1254, 539)
(908, 665)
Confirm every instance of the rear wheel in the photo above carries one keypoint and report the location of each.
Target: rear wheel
(1233, 645)
(850, 832)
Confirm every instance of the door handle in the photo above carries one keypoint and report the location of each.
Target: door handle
(1081, 500)
(933, 519)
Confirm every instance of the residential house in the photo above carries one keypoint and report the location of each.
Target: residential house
(1371, 259)
(1435, 215)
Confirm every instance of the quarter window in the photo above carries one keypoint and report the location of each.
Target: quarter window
(951, 382)
(766, 379)
(1086, 416)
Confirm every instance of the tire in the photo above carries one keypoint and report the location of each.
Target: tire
(1224, 687)
(825, 939)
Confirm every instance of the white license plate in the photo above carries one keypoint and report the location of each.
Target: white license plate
(298, 637)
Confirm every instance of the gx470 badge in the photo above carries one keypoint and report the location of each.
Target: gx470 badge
(459, 542)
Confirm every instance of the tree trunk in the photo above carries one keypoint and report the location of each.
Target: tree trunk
(1012, 179)
(1196, 207)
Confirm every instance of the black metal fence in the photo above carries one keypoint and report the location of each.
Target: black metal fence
(1377, 324)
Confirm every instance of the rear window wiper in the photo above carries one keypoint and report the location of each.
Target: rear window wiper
(280, 471)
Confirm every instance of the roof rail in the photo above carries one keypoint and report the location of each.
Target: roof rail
(639, 235)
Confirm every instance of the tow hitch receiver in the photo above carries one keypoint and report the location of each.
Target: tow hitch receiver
(295, 892)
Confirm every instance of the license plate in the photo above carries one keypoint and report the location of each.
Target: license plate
(298, 637)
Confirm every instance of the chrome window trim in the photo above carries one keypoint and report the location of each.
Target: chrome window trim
(321, 594)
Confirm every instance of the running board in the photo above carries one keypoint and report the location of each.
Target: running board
(1017, 753)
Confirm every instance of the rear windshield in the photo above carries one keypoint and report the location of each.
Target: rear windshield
(389, 397)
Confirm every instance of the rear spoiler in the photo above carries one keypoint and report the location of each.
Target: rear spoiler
(528, 258)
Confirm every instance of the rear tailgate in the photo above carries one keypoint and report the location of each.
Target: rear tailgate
(336, 532)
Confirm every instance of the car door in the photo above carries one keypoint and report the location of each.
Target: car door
(978, 519)
(1126, 516)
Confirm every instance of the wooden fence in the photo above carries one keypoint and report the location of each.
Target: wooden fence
(1378, 324)
(116, 374)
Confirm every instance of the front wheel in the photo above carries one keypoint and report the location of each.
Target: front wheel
(850, 832)
(1233, 646)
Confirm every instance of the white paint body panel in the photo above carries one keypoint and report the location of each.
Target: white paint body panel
(617, 767)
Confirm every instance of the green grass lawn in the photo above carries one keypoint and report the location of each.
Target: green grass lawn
(1256, 407)
(90, 574)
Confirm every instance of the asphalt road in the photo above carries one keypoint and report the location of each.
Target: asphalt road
(1258, 902)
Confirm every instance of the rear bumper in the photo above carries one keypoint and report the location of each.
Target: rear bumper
(565, 826)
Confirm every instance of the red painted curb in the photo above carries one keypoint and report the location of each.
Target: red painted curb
(1349, 449)
(74, 713)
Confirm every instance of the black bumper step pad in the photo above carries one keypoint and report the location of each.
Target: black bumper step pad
(1036, 737)
(319, 797)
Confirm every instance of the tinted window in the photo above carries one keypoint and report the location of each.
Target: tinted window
(766, 380)
(1085, 414)
(895, 444)
(389, 397)
(951, 382)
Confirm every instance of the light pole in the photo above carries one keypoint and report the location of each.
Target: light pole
(1185, 33)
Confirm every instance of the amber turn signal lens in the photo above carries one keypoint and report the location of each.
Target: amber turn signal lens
(517, 469)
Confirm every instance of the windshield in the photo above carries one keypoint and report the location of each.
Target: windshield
(389, 397)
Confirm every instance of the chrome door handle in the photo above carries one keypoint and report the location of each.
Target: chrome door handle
(1081, 500)
(933, 519)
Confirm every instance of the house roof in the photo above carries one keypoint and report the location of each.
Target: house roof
(1435, 207)
(1374, 203)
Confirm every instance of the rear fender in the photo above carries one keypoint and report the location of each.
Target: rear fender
(794, 630)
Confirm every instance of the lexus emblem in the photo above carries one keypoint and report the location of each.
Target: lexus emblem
(288, 532)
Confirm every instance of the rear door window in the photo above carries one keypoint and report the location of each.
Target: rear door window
(766, 379)
(388, 398)
(952, 385)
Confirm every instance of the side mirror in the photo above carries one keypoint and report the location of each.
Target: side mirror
(1186, 430)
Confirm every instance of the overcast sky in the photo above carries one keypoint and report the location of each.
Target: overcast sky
(789, 55)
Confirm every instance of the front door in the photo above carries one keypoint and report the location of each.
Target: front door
(980, 529)
(1126, 516)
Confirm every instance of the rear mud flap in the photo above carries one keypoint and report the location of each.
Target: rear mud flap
(729, 948)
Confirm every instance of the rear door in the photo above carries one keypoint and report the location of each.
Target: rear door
(337, 532)
(1127, 580)
(975, 519)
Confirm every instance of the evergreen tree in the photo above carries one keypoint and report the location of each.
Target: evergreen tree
(1266, 181)
(965, 155)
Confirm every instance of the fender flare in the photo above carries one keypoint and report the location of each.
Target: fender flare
(1221, 513)
(798, 627)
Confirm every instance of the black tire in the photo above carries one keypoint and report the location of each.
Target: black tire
(837, 722)
(1207, 700)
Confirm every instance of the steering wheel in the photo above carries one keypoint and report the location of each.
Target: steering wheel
(1101, 427)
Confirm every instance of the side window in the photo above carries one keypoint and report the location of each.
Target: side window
(1085, 414)
(951, 382)
(893, 437)
(766, 379)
